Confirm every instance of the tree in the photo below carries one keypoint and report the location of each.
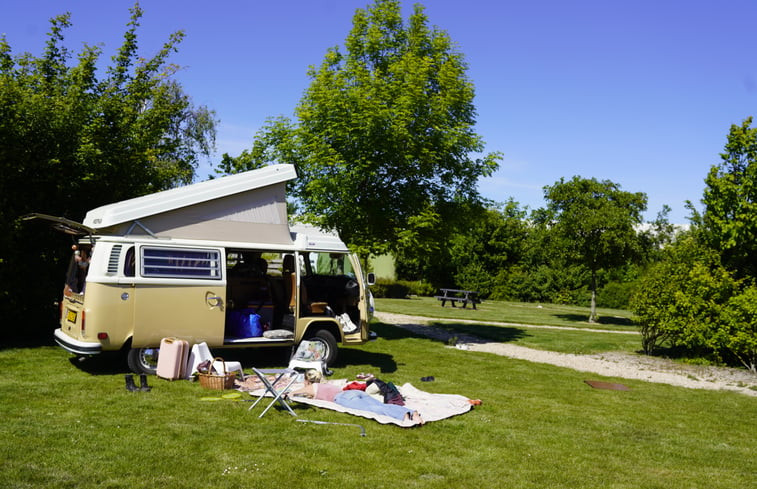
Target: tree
(690, 300)
(593, 224)
(701, 296)
(680, 299)
(71, 141)
(384, 133)
(729, 221)
(488, 247)
(739, 331)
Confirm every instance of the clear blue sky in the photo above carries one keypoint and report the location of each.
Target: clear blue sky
(642, 93)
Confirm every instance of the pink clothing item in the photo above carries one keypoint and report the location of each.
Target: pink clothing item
(326, 392)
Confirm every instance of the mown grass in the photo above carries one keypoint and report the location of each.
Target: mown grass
(578, 340)
(69, 424)
(512, 312)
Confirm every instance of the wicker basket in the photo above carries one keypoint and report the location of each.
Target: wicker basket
(217, 382)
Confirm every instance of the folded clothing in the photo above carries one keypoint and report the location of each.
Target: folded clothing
(389, 391)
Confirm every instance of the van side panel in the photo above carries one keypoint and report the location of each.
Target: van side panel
(195, 313)
(109, 308)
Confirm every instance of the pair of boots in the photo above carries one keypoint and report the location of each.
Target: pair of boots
(131, 387)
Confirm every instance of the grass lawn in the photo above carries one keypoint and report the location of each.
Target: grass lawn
(578, 341)
(512, 312)
(69, 424)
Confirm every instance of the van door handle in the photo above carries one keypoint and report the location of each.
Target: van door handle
(213, 300)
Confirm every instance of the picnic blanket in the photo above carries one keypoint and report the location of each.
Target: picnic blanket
(432, 407)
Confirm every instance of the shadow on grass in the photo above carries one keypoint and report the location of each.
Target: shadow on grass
(115, 362)
(444, 331)
(391, 332)
(606, 320)
(354, 356)
(500, 334)
(102, 364)
(700, 356)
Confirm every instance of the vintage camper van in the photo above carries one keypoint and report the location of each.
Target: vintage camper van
(213, 262)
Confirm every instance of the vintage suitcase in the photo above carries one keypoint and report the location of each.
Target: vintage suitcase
(172, 360)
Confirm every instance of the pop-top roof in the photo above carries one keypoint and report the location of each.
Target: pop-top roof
(308, 237)
(190, 195)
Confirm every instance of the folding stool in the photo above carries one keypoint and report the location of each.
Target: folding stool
(271, 388)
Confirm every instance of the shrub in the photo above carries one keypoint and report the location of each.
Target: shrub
(389, 289)
(418, 287)
(685, 299)
(739, 331)
(475, 277)
(615, 295)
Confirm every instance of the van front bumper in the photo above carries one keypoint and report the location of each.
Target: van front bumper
(75, 346)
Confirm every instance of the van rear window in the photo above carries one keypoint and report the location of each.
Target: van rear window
(180, 263)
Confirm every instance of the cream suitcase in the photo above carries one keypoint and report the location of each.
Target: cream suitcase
(172, 359)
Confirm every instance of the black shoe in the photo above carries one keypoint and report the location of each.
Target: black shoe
(130, 386)
(143, 383)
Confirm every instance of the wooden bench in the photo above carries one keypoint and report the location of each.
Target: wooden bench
(457, 295)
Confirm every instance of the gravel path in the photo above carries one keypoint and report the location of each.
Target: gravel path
(611, 364)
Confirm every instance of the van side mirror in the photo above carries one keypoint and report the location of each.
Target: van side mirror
(371, 278)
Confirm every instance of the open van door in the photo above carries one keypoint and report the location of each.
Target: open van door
(62, 224)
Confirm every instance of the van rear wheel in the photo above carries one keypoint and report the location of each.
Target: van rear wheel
(143, 360)
(327, 340)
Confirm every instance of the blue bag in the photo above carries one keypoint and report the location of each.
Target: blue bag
(254, 326)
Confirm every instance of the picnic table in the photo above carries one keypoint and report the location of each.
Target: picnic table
(457, 295)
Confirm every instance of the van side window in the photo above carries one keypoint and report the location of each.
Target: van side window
(180, 263)
(129, 263)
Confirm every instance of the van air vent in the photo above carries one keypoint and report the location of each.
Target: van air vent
(115, 254)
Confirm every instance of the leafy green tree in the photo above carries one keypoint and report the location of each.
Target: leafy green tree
(702, 295)
(680, 300)
(488, 247)
(729, 221)
(71, 140)
(690, 300)
(592, 224)
(384, 133)
(738, 333)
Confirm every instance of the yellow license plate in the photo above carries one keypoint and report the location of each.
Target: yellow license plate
(71, 316)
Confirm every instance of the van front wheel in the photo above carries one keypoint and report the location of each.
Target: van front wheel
(325, 338)
(143, 360)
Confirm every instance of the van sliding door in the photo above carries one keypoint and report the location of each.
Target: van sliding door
(180, 292)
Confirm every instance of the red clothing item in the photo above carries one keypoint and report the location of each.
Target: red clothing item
(358, 386)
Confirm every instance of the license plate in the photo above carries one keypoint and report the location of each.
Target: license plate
(71, 316)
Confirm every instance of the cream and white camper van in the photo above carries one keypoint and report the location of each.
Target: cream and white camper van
(213, 262)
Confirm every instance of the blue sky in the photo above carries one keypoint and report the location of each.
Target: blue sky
(642, 93)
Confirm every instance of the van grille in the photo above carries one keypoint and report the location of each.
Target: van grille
(115, 254)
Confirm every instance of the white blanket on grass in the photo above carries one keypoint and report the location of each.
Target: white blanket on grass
(431, 407)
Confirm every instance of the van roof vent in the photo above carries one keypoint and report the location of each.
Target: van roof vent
(115, 254)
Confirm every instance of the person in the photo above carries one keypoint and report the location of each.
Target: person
(76, 275)
(353, 398)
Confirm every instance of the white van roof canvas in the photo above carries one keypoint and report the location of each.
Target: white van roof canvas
(248, 206)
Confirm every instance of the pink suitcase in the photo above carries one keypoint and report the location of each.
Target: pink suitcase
(172, 359)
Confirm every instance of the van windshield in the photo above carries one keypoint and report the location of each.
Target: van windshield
(333, 264)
